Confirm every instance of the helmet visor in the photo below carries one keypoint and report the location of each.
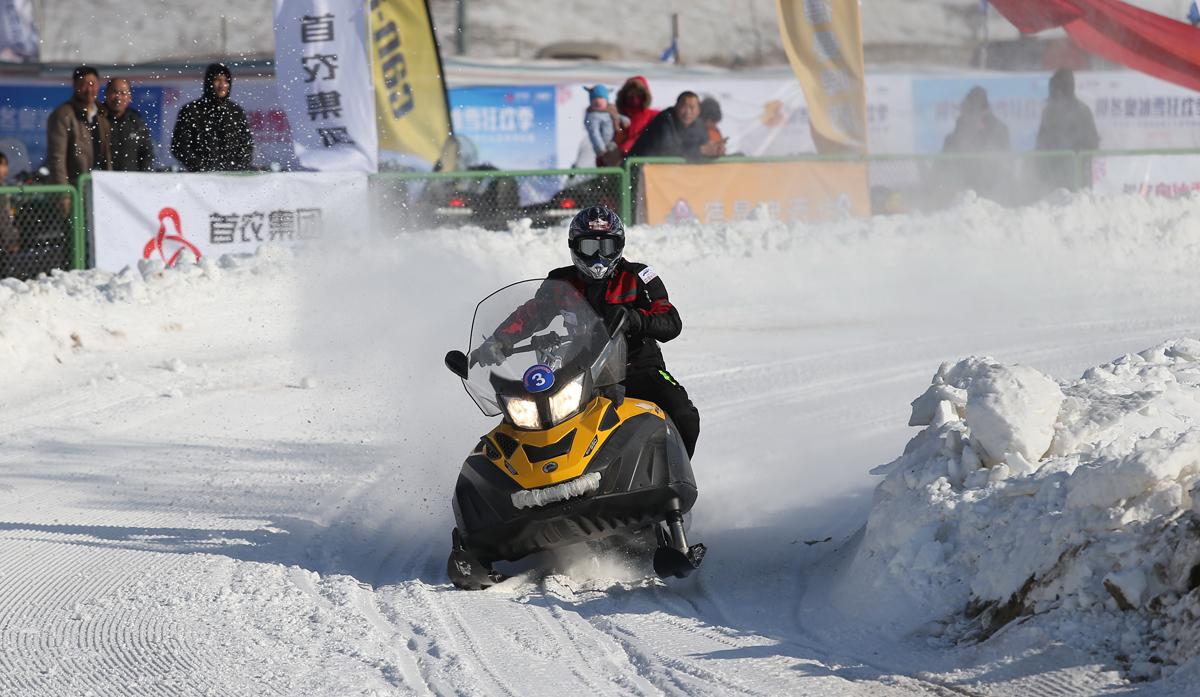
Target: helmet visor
(602, 246)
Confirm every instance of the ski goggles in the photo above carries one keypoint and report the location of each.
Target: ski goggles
(602, 246)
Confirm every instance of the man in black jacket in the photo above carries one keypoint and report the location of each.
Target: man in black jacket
(128, 136)
(211, 133)
(677, 132)
(1067, 124)
(617, 289)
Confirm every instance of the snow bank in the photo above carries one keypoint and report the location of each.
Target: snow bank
(50, 319)
(1071, 507)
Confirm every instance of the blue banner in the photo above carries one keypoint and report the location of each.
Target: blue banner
(1016, 100)
(510, 127)
(24, 110)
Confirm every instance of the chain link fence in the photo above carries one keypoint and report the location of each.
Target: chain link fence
(42, 227)
(40, 230)
(491, 199)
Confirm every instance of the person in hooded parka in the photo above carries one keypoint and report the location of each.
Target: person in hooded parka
(212, 133)
(1067, 124)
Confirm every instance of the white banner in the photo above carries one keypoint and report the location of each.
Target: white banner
(18, 32)
(1165, 176)
(324, 83)
(163, 216)
(1135, 111)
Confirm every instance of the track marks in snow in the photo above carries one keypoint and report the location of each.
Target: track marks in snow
(73, 620)
(460, 656)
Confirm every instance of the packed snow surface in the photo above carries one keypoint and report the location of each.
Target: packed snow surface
(233, 477)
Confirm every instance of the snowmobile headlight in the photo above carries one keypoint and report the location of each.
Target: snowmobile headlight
(523, 412)
(565, 402)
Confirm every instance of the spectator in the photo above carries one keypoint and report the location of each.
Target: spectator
(677, 132)
(211, 133)
(978, 131)
(9, 239)
(129, 137)
(1193, 15)
(604, 127)
(977, 128)
(710, 114)
(76, 136)
(1067, 124)
(633, 102)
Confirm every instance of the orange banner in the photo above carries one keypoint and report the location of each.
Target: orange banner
(788, 191)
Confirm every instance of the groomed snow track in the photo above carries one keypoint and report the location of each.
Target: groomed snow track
(233, 479)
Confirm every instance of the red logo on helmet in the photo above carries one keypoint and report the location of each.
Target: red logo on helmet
(599, 224)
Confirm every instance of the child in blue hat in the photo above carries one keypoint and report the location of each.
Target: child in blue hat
(604, 127)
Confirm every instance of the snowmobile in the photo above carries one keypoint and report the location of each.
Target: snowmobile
(572, 460)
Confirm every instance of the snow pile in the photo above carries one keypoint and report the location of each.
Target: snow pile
(1073, 509)
(53, 317)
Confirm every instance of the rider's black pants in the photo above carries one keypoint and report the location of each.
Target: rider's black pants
(660, 387)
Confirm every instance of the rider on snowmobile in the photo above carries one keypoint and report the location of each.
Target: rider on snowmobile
(618, 289)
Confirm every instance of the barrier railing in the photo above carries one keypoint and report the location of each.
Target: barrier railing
(41, 229)
(45, 227)
(492, 198)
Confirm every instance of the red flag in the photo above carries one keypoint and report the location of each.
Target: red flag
(1140, 39)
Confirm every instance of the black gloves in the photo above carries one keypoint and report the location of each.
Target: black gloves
(492, 351)
(634, 320)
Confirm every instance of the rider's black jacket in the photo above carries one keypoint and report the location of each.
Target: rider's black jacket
(632, 284)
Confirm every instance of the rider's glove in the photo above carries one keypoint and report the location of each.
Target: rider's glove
(633, 320)
(492, 351)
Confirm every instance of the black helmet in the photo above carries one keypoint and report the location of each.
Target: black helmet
(596, 239)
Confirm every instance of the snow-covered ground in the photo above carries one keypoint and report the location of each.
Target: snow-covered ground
(233, 478)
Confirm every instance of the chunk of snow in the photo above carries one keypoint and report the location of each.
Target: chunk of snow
(1012, 409)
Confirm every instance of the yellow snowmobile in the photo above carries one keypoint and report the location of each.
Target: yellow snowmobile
(572, 460)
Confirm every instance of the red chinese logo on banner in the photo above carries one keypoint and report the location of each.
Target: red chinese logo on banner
(175, 243)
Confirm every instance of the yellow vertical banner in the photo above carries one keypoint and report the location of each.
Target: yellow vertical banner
(410, 93)
(823, 41)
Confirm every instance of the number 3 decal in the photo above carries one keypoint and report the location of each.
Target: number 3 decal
(539, 378)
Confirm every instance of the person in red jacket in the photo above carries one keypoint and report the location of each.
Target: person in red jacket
(633, 101)
(618, 289)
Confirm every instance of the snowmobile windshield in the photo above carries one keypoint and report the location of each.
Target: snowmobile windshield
(535, 340)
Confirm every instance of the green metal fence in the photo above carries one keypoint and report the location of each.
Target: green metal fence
(45, 227)
(492, 198)
(41, 229)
